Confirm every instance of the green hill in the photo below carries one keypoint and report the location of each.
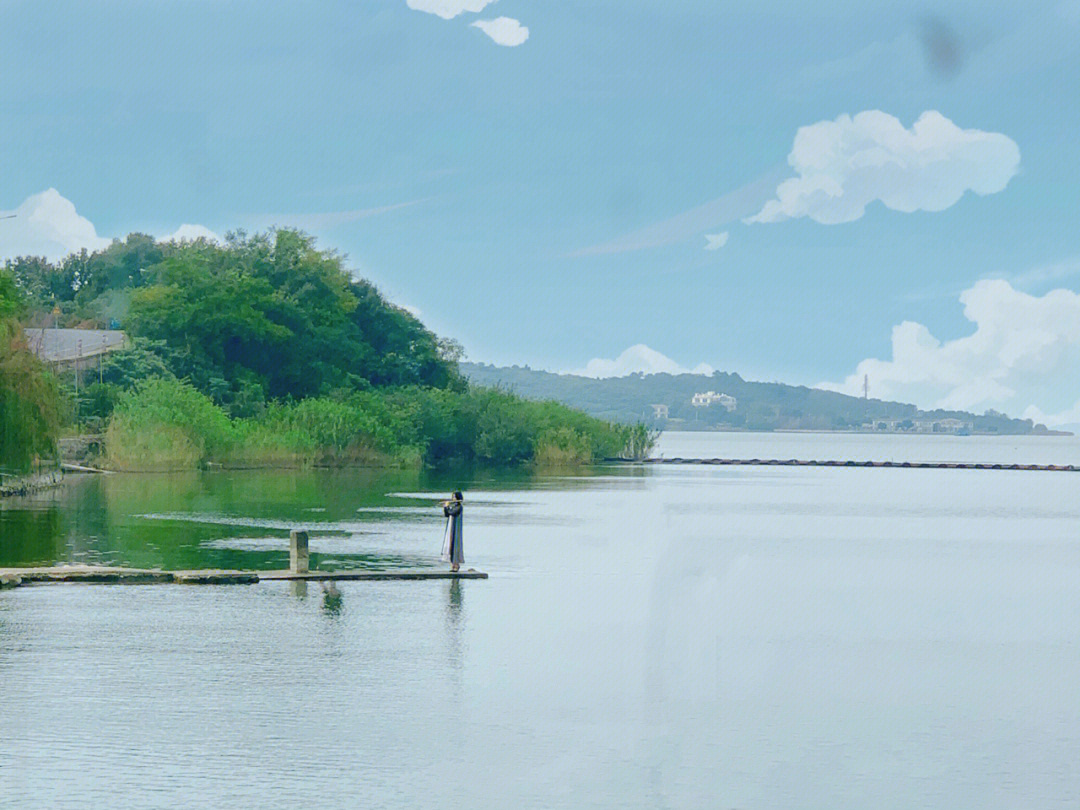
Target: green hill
(758, 406)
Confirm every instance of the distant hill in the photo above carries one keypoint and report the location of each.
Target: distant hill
(758, 406)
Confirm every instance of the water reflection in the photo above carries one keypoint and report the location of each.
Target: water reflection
(231, 520)
(31, 536)
(299, 589)
(454, 620)
(650, 641)
(332, 601)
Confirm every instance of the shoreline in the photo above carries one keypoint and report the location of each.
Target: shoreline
(861, 432)
(12, 486)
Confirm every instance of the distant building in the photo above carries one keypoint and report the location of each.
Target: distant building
(74, 348)
(951, 425)
(709, 398)
(660, 411)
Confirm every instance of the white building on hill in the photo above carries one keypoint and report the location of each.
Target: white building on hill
(709, 398)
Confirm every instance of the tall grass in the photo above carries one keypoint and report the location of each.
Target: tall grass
(165, 424)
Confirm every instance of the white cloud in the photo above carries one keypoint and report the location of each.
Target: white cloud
(189, 233)
(48, 225)
(504, 30)
(1023, 357)
(846, 164)
(715, 241)
(1068, 419)
(638, 359)
(448, 9)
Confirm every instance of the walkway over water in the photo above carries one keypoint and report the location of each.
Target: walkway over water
(13, 577)
(792, 462)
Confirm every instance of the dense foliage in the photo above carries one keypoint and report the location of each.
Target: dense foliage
(29, 402)
(166, 424)
(760, 406)
(251, 321)
(264, 350)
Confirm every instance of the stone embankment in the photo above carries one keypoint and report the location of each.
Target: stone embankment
(27, 484)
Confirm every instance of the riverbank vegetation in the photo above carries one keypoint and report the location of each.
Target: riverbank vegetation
(30, 404)
(166, 424)
(265, 351)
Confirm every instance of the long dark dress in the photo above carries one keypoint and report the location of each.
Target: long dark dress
(452, 550)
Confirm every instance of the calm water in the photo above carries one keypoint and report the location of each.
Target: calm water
(688, 637)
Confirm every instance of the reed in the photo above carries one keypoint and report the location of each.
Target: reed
(166, 424)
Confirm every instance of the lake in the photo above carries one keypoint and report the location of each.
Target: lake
(650, 637)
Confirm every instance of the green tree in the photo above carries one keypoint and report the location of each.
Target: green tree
(29, 401)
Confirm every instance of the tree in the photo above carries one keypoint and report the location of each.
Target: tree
(29, 401)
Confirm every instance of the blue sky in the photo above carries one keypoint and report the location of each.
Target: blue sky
(549, 202)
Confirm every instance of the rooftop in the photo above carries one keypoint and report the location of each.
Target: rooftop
(59, 345)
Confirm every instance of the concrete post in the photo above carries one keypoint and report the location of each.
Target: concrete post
(299, 560)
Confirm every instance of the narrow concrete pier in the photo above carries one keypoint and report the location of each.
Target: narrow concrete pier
(86, 573)
(13, 577)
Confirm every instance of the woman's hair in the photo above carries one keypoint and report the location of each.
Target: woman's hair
(457, 494)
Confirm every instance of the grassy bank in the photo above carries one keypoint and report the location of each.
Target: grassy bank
(165, 424)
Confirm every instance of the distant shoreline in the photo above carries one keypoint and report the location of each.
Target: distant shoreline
(860, 431)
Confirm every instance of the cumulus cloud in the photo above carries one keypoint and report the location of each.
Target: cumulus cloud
(1068, 418)
(638, 359)
(448, 9)
(844, 165)
(504, 30)
(715, 241)
(48, 225)
(189, 233)
(1023, 357)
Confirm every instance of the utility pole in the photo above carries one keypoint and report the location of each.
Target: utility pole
(866, 386)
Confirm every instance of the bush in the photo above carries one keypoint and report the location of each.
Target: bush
(29, 403)
(29, 399)
(563, 447)
(166, 424)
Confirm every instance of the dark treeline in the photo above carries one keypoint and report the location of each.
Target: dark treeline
(265, 350)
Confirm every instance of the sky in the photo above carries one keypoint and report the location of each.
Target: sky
(810, 193)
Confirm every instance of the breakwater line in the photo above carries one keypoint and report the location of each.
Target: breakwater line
(794, 462)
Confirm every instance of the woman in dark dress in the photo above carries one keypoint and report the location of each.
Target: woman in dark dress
(452, 551)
